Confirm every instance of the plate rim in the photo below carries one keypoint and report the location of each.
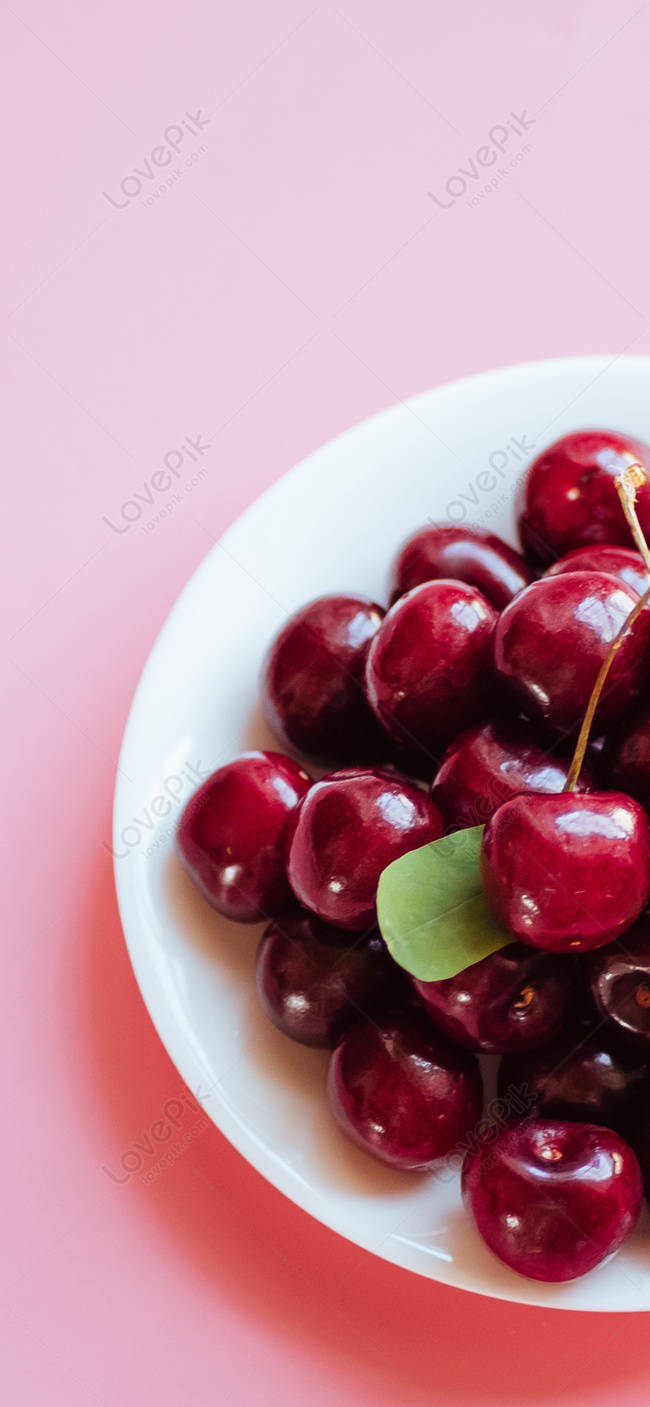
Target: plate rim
(180, 1053)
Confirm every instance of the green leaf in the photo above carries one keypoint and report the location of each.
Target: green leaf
(433, 913)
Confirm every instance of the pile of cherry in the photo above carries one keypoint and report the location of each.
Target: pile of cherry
(460, 705)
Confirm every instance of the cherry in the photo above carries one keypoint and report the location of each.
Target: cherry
(553, 1199)
(401, 1091)
(618, 979)
(312, 680)
(351, 825)
(428, 665)
(232, 834)
(626, 755)
(488, 764)
(567, 872)
(571, 498)
(642, 1147)
(585, 1074)
(313, 980)
(513, 1000)
(550, 643)
(465, 554)
(621, 562)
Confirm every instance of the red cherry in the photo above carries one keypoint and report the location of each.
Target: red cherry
(621, 562)
(403, 1092)
(312, 681)
(233, 832)
(427, 671)
(570, 872)
(550, 643)
(465, 554)
(571, 498)
(584, 1074)
(553, 1199)
(515, 999)
(314, 980)
(618, 979)
(488, 764)
(353, 824)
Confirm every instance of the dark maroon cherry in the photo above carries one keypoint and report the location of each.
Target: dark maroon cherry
(571, 498)
(232, 834)
(401, 1091)
(355, 823)
(550, 643)
(621, 562)
(618, 979)
(584, 1074)
(464, 554)
(626, 755)
(641, 1142)
(312, 690)
(513, 1000)
(553, 1199)
(567, 873)
(488, 764)
(314, 980)
(427, 671)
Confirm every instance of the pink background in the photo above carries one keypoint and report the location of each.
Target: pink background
(296, 277)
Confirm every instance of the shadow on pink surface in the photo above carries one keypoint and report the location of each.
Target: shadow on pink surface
(232, 1238)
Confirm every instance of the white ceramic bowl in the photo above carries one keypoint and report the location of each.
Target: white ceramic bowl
(333, 523)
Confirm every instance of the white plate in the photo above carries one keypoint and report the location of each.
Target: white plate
(333, 523)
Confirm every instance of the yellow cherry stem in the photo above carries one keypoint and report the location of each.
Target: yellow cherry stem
(627, 483)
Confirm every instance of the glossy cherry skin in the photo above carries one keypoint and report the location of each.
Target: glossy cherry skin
(232, 834)
(513, 1000)
(571, 498)
(463, 554)
(567, 873)
(427, 671)
(353, 824)
(492, 762)
(621, 562)
(626, 755)
(551, 641)
(553, 1199)
(401, 1091)
(312, 691)
(585, 1074)
(618, 980)
(314, 980)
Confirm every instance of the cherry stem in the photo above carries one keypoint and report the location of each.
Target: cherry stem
(627, 483)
